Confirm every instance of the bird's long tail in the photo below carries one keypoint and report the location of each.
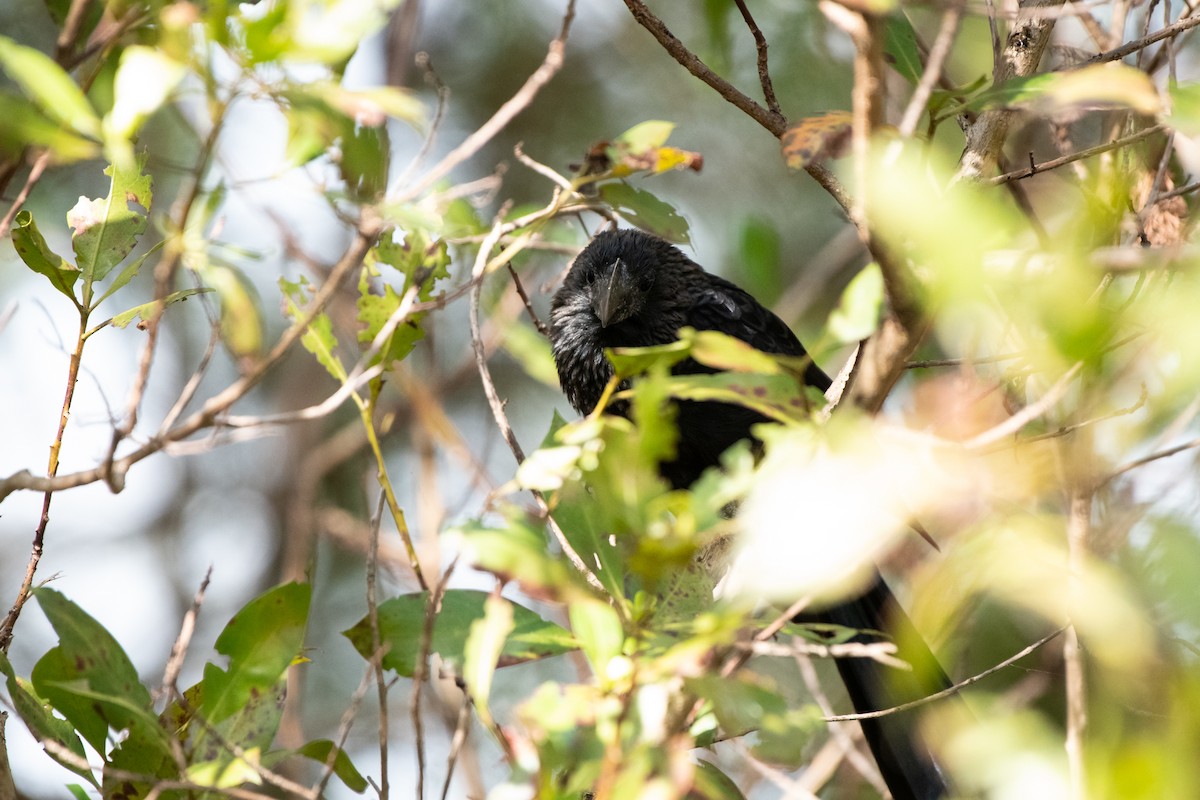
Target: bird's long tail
(905, 763)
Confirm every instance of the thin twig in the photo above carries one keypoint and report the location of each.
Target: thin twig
(461, 728)
(1187, 23)
(1054, 163)
(537, 323)
(951, 21)
(760, 45)
(955, 689)
(505, 114)
(377, 647)
(1027, 414)
(35, 173)
(186, 629)
(1079, 524)
(1143, 461)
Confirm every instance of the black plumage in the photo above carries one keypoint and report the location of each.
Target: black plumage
(630, 289)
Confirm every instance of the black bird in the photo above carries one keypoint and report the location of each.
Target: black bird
(631, 289)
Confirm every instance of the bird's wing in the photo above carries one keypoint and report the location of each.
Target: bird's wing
(721, 306)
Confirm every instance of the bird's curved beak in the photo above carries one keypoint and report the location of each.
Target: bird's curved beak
(611, 302)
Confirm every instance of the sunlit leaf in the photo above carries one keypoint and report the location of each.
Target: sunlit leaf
(48, 86)
(598, 630)
(145, 79)
(482, 649)
(26, 126)
(106, 230)
(241, 315)
(858, 312)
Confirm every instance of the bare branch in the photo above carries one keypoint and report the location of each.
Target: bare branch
(1115, 144)
(955, 689)
(760, 45)
(1116, 54)
(504, 115)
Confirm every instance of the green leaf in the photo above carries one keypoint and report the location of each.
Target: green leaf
(402, 619)
(860, 308)
(319, 749)
(420, 261)
(710, 783)
(25, 125)
(145, 311)
(36, 715)
(261, 641)
(900, 48)
(318, 337)
(752, 703)
(646, 211)
(91, 652)
(126, 275)
(107, 230)
(598, 629)
(32, 248)
(49, 86)
(90, 681)
(481, 651)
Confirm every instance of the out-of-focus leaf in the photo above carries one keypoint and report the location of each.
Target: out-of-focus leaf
(817, 138)
(517, 550)
(900, 48)
(481, 651)
(365, 154)
(36, 715)
(402, 619)
(724, 352)
(1185, 108)
(145, 79)
(330, 34)
(106, 230)
(241, 315)
(710, 783)
(532, 352)
(598, 630)
(370, 107)
(1094, 86)
(25, 126)
(751, 703)
(318, 337)
(49, 86)
(857, 314)
(32, 248)
(227, 773)
(628, 361)
(760, 255)
(145, 311)
(319, 749)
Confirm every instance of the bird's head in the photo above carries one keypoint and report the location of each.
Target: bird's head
(619, 271)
